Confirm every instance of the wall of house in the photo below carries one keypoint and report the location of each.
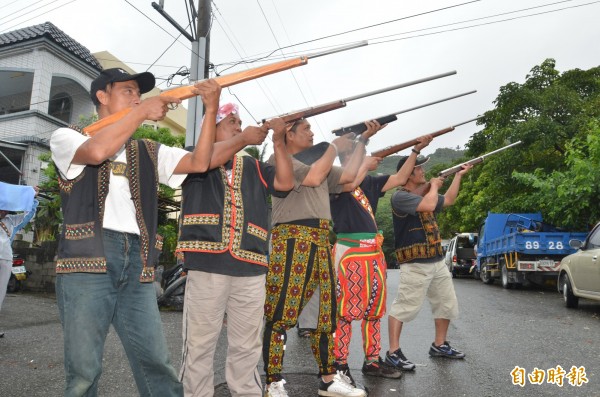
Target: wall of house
(47, 61)
(80, 98)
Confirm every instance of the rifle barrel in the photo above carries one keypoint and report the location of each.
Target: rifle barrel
(402, 85)
(453, 170)
(362, 127)
(338, 49)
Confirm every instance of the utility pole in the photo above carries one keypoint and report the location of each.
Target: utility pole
(199, 65)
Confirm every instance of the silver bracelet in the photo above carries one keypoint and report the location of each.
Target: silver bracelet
(336, 149)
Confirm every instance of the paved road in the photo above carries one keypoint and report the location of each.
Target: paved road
(498, 330)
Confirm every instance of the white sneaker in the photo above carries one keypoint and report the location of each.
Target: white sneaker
(276, 389)
(340, 387)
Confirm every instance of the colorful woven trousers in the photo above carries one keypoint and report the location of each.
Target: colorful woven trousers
(299, 262)
(361, 293)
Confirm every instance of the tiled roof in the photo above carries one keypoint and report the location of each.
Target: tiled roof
(51, 32)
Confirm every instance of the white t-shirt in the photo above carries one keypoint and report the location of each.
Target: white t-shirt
(119, 211)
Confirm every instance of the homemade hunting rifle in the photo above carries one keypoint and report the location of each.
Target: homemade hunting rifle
(423, 189)
(186, 92)
(453, 170)
(362, 127)
(405, 145)
(294, 116)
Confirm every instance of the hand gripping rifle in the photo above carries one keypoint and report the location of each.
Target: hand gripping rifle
(405, 145)
(340, 103)
(453, 170)
(186, 92)
(362, 127)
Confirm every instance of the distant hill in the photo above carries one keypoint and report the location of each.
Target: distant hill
(440, 156)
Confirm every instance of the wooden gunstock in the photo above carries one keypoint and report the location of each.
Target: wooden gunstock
(186, 92)
(405, 145)
(312, 111)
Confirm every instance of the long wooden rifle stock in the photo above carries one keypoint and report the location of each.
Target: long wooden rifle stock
(186, 92)
(405, 145)
(362, 127)
(453, 170)
(315, 110)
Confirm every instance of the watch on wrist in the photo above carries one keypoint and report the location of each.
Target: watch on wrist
(416, 151)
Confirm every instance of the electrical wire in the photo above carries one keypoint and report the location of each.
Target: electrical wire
(263, 87)
(44, 13)
(24, 8)
(361, 28)
(487, 23)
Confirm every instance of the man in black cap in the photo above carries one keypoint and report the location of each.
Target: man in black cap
(108, 244)
(422, 269)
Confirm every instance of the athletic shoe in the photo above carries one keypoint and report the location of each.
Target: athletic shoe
(340, 387)
(399, 361)
(445, 350)
(381, 369)
(345, 370)
(276, 389)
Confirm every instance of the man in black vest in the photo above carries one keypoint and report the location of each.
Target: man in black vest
(422, 269)
(224, 238)
(108, 244)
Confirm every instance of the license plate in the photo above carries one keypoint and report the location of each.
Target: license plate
(18, 269)
(547, 263)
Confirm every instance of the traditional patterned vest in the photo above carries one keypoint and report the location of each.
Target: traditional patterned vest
(222, 212)
(81, 247)
(416, 236)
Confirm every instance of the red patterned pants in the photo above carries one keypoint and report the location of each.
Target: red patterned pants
(361, 296)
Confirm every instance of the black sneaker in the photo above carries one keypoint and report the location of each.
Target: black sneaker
(381, 369)
(445, 350)
(345, 370)
(399, 361)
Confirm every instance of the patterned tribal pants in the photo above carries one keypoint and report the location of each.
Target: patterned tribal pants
(299, 262)
(361, 295)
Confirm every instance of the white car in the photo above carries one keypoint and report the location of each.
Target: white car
(579, 273)
(460, 255)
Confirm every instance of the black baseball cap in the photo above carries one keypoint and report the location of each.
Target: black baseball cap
(403, 159)
(145, 81)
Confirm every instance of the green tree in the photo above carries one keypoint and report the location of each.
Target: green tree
(556, 117)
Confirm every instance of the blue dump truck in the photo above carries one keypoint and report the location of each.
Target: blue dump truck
(521, 249)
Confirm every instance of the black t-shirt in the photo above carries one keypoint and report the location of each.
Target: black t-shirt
(349, 216)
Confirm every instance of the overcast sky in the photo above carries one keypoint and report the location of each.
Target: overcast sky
(488, 50)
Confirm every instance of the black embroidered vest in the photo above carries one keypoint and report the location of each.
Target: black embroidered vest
(81, 247)
(416, 236)
(218, 215)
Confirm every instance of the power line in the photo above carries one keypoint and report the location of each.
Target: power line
(291, 71)
(46, 12)
(356, 30)
(301, 70)
(429, 28)
(161, 28)
(24, 8)
(238, 52)
(483, 24)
